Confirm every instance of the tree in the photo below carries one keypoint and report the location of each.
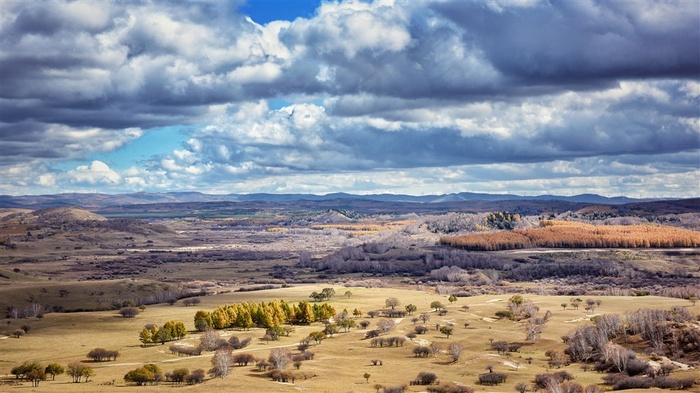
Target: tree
(436, 305)
(357, 312)
(693, 299)
(385, 325)
(179, 375)
(25, 368)
(446, 330)
(210, 339)
(452, 299)
(563, 306)
(197, 376)
(348, 294)
(425, 317)
(392, 302)
(317, 337)
(366, 376)
(149, 373)
(18, 333)
(36, 375)
(54, 369)
(575, 302)
(347, 324)
(455, 351)
(328, 293)
(101, 355)
(410, 309)
(222, 363)
(591, 303)
(521, 387)
(435, 348)
(77, 371)
(280, 358)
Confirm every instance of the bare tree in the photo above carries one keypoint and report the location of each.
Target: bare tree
(385, 325)
(222, 363)
(280, 358)
(455, 351)
(435, 348)
(210, 339)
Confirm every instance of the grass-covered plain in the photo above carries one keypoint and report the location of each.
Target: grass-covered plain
(339, 363)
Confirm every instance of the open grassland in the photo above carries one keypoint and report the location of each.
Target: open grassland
(339, 362)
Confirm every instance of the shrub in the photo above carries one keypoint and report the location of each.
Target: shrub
(543, 380)
(238, 344)
(421, 351)
(129, 312)
(636, 367)
(490, 379)
(633, 383)
(450, 388)
(196, 377)
(425, 378)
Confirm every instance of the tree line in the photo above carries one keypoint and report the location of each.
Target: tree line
(264, 314)
(568, 234)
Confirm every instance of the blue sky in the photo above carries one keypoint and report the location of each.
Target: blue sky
(528, 97)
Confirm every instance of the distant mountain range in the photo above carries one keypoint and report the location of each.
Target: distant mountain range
(97, 201)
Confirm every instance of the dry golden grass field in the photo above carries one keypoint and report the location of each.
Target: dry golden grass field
(339, 363)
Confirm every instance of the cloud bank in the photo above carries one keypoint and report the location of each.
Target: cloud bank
(414, 97)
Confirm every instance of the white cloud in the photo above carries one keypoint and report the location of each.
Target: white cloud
(96, 173)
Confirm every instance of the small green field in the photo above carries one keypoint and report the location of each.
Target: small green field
(340, 361)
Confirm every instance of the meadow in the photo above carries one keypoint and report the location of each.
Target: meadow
(340, 362)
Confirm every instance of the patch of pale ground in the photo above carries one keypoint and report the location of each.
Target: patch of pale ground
(586, 318)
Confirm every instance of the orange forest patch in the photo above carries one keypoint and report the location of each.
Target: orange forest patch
(566, 234)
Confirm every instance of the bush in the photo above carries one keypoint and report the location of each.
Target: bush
(675, 384)
(542, 380)
(450, 388)
(425, 378)
(129, 312)
(636, 367)
(421, 351)
(238, 344)
(633, 383)
(101, 355)
(196, 377)
(491, 379)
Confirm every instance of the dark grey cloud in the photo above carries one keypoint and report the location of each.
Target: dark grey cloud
(412, 86)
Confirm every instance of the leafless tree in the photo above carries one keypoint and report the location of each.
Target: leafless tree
(222, 363)
(280, 358)
(210, 339)
(385, 325)
(455, 351)
(435, 348)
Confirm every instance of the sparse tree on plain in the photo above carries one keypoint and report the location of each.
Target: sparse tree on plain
(455, 350)
(435, 348)
(280, 358)
(392, 302)
(222, 363)
(54, 369)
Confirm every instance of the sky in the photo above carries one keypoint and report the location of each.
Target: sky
(416, 97)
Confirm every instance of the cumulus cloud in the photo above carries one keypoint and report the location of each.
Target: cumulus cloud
(96, 173)
(377, 91)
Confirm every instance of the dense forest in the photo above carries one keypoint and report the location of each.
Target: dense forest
(569, 234)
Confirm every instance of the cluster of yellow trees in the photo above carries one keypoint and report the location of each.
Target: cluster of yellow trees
(568, 234)
(171, 330)
(264, 314)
